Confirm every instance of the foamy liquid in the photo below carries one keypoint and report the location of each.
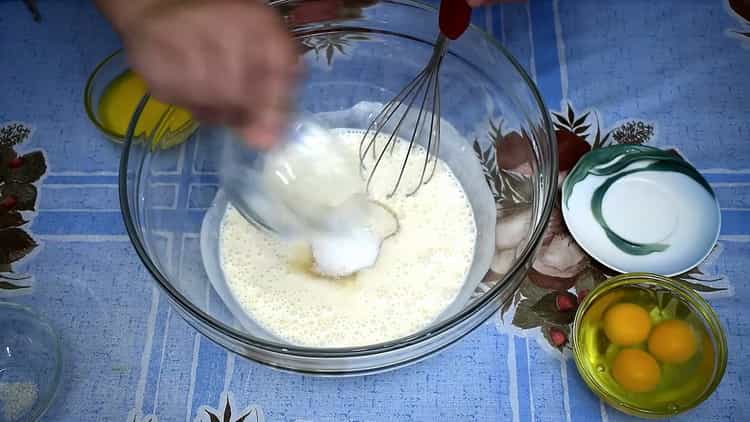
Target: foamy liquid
(418, 274)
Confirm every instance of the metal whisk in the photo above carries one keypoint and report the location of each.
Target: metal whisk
(453, 19)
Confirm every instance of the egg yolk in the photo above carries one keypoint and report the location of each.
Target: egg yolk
(636, 370)
(626, 324)
(672, 341)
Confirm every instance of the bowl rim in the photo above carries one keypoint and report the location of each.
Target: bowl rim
(705, 311)
(87, 96)
(42, 403)
(474, 306)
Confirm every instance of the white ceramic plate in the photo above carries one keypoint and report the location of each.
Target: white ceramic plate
(640, 209)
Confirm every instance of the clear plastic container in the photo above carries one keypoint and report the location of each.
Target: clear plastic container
(295, 189)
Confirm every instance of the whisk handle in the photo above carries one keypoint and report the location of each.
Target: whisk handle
(454, 18)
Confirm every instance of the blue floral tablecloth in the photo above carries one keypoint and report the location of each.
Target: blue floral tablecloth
(674, 74)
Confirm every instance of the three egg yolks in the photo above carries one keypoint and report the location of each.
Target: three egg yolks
(671, 341)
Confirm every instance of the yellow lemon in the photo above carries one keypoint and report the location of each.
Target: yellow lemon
(636, 370)
(672, 341)
(626, 324)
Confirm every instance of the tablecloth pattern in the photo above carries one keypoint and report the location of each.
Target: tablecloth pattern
(683, 67)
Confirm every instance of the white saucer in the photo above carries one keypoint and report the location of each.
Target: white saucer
(640, 209)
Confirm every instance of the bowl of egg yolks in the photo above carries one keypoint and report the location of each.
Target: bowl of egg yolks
(648, 345)
(113, 92)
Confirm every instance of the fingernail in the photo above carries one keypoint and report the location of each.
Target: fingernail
(258, 137)
(265, 132)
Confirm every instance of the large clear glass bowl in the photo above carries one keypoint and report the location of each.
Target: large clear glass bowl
(360, 52)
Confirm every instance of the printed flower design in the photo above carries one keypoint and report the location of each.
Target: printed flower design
(570, 132)
(146, 418)
(299, 14)
(741, 8)
(249, 414)
(209, 414)
(560, 260)
(330, 44)
(506, 166)
(562, 273)
(18, 173)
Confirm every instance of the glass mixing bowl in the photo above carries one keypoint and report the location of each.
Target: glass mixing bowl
(355, 54)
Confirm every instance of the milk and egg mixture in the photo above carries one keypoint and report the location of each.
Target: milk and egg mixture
(417, 275)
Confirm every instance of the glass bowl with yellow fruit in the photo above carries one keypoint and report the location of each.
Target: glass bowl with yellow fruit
(112, 94)
(648, 345)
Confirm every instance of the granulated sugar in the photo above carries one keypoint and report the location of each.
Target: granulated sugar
(17, 398)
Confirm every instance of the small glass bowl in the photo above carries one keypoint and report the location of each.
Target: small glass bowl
(164, 133)
(698, 307)
(30, 364)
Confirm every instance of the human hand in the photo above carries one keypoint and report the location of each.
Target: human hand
(227, 61)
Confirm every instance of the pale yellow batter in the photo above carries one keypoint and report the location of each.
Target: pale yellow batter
(418, 273)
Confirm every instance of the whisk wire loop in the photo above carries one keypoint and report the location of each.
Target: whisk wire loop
(425, 87)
